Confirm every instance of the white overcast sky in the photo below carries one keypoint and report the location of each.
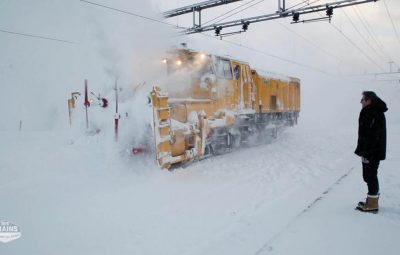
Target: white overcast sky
(319, 45)
(343, 47)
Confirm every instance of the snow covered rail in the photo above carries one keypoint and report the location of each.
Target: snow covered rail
(267, 244)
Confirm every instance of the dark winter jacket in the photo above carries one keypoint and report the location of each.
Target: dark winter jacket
(372, 131)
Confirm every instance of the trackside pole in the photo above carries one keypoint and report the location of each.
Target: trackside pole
(87, 104)
(116, 118)
(69, 112)
(71, 105)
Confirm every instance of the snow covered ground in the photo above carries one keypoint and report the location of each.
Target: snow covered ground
(295, 195)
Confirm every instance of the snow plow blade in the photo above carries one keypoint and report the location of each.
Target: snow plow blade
(171, 147)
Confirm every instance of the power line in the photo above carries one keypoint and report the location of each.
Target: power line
(309, 41)
(133, 14)
(358, 31)
(355, 45)
(245, 22)
(234, 9)
(38, 36)
(233, 43)
(291, 7)
(302, 37)
(371, 32)
(230, 42)
(373, 35)
(197, 7)
(391, 20)
(269, 55)
(308, 4)
(240, 11)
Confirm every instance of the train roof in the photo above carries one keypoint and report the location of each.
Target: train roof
(211, 54)
(264, 73)
(277, 76)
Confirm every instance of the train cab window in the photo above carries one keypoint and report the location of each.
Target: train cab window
(223, 68)
(236, 72)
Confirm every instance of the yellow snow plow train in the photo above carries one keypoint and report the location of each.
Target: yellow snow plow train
(214, 104)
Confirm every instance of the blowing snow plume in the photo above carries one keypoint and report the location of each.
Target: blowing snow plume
(128, 44)
(100, 42)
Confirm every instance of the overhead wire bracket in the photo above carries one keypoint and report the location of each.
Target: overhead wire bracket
(281, 13)
(197, 8)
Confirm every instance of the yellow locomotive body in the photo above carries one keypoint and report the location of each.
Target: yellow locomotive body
(217, 104)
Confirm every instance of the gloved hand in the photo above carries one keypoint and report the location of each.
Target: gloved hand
(364, 160)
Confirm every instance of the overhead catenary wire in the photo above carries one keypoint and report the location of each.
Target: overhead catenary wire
(358, 48)
(303, 37)
(373, 35)
(293, 6)
(391, 81)
(133, 14)
(362, 36)
(37, 36)
(72, 42)
(239, 11)
(245, 22)
(199, 6)
(269, 55)
(227, 41)
(307, 3)
(234, 9)
(391, 20)
(309, 41)
(355, 45)
(371, 32)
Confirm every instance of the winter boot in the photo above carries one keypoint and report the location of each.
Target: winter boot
(361, 203)
(370, 205)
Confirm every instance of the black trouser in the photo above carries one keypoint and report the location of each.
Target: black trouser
(370, 175)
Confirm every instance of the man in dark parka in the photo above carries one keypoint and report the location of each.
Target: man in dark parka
(371, 146)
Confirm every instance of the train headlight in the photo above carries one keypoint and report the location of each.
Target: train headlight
(179, 62)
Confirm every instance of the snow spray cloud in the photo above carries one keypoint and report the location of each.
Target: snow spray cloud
(127, 50)
(106, 44)
(182, 73)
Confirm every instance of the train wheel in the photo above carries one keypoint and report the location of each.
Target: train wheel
(218, 149)
(234, 140)
(208, 150)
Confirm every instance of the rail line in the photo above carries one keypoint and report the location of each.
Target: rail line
(267, 245)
